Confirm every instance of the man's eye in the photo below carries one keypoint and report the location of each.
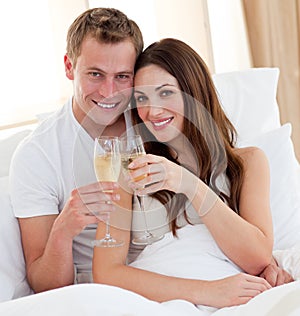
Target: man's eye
(124, 77)
(95, 74)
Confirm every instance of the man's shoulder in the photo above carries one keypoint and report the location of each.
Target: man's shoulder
(48, 133)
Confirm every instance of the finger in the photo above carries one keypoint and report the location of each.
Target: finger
(270, 274)
(102, 216)
(98, 186)
(89, 198)
(149, 189)
(154, 172)
(287, 277)
(138, 175)
(97, 208)
(250, 292)
(147, 181)
(144, 160)
(257, 282)
(280, 278)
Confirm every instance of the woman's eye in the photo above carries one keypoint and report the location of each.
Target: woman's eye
(140, 99)
(166, 93)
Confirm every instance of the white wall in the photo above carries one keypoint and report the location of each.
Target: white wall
(185, 20)
(142, 12)
(31, 62)
(229, 36)
(206, 25)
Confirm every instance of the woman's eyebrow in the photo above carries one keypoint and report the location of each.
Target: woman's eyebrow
(164, 85)
(156, 89)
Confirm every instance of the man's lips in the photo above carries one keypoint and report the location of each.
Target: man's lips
(105, 105)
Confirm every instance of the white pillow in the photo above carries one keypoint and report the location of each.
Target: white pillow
(13, 281)
(249, 99)
(285, 188)
(7, 148)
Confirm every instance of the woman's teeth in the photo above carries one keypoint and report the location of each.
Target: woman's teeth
(162, 122)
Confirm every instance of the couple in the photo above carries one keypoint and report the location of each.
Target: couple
(192, 165)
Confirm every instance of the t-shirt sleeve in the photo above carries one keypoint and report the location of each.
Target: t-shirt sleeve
(34, 185)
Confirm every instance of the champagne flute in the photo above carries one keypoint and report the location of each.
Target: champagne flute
(132, 147)
(107, 165)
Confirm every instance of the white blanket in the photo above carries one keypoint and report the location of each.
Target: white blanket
(195, 256)
(289, 260)
(103, 300)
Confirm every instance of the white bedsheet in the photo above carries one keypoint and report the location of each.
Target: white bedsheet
(104, 300)
(289, 260)
(194, 254)
(164, 257)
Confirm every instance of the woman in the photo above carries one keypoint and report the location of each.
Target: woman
(193, 161)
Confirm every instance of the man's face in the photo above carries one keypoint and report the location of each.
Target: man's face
(102, 80)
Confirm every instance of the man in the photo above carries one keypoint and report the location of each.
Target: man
(54, 190)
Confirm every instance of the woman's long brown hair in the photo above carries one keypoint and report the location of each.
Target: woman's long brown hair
(206, 126)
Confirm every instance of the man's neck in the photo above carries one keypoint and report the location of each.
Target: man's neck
(116, 128)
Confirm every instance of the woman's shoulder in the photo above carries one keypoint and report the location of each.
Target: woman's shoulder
(251, 155)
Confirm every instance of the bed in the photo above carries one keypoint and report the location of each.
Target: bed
(249, 99)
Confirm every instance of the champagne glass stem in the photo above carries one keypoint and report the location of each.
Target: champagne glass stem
(107, 228)
(142, 206)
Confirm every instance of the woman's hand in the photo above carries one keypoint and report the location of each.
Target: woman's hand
(162, 174)
(235, 290)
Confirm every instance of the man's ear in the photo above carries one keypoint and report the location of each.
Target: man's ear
(68, 67)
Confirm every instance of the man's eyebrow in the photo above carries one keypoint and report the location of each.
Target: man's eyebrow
(117, 73)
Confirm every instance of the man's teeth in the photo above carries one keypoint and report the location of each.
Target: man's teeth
(162, 122)
(106, 105)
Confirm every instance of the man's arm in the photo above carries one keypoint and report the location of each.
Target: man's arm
(48, 240)
(48, 253)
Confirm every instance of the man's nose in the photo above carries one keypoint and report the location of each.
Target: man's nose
(107, 88)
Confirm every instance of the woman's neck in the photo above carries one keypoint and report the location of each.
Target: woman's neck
(185, 152)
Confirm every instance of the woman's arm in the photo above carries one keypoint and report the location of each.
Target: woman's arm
(109, 267)
(247, 238)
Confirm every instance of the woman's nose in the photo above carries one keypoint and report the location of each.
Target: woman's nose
(155, 110)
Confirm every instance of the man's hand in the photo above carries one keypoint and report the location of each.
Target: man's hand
(276, 275)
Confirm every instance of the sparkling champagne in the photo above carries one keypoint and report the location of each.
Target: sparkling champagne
(128, 159)
(107, 167)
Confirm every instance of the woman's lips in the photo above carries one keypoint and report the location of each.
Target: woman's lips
(160, 124)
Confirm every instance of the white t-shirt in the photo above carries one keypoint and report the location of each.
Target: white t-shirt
(55, 159)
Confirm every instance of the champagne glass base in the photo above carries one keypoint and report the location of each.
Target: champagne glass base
(107, 243)
(147, 239)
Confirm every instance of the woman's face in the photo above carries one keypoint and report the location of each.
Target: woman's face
(159, 102)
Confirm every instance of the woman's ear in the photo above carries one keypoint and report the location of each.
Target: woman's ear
(68, 67)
